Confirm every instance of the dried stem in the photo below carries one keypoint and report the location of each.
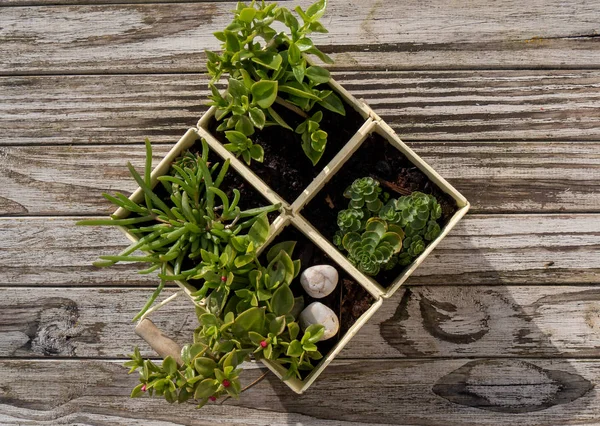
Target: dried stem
(291, 107)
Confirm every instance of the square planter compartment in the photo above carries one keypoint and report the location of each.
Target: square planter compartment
(188, 140)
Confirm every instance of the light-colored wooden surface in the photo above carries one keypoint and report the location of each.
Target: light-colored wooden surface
(500, 325)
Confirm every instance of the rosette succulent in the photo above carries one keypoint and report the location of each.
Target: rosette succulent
(375, 246)
(350, 220)
(364, 192)
(413, 217)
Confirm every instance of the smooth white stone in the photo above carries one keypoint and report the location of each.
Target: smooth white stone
(318, 313)
(319, 280)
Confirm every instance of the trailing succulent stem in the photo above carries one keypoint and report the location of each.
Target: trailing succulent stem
(253, 318)
(265, 67)
(193, 219)
(379, 236)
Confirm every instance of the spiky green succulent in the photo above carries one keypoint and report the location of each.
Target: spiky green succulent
(375, 247)
(364, 192)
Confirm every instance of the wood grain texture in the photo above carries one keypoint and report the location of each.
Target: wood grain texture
(86, 323)
(168, 37)
(418, 322)
(424, 392)
(482, 249)
(494, 176)
(420, 106)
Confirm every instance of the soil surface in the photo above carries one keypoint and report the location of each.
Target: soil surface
(349, 300)
(398, 176)
(286, 169)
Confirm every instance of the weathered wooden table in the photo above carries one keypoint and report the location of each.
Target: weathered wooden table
(500, 325)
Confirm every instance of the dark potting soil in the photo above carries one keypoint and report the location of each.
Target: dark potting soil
(349, 300)
(398, 176)
(286, 168)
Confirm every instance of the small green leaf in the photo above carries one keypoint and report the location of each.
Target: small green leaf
(294, 349)
(287, 246)
(247, 14)
(304, 44)
(317, 10)
(333, 103)
(257, 152)
(316, 332)
(259, 230)
(264, 93)
(250, 320)
(205, 366)
(294, 54)
(206, 388)
(277, 325)
(293, 329)
(169, 365)
(282, 301)
(236, 88)
(277, 118)
(296, 89)
(318, 74)
(257, 116)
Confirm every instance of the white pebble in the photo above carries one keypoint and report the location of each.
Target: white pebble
(319, 280)
(318, 313)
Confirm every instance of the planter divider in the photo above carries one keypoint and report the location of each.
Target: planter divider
(241, 168)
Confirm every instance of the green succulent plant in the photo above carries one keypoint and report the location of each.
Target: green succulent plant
(375, 246)
(187, 223)
(413, 217)
(364, 192)
(266, 66)
(255, 319)
(350, 220)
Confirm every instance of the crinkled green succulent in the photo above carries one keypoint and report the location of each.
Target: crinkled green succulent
(364, 192)
(375, 246)
(350, 220)
(414, 216)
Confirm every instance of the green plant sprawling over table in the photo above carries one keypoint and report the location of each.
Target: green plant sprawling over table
(195, 223)
(378, 235)
(266, 67)
(252, 315)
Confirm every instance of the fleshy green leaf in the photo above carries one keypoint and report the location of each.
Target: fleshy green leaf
(264, 93)
(318, 74)
(333, 103)
(282, 301)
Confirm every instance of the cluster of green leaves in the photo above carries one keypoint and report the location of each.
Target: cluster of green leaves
(265, 66)
(380, 233)
(188, 223)
(257, 317)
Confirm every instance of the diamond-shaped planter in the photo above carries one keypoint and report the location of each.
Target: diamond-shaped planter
(291, 215)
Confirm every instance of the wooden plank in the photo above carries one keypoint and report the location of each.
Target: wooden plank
(494, 176)
(167, 37)
(420, 322)
(449, 392)
(79, 322)
(421, 106)
(482, 249)
(13, 3)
